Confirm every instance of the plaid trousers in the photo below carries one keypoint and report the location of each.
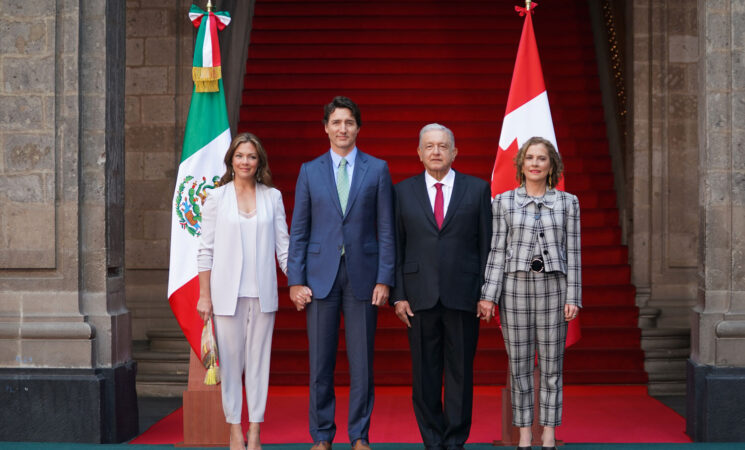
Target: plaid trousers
(532, 313)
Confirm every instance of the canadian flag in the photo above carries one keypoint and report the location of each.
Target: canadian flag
(527, 114)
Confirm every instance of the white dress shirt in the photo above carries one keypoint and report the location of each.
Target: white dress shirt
(447, 189)
(336, 160)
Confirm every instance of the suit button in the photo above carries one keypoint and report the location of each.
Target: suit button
(545, 252)
(541, 234)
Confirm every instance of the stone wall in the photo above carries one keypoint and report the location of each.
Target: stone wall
(64, 328)
(28, 114)
(160, 41)
(664, 156)
(719, 318)
(39, 191)
(716, 369)
(160, 46)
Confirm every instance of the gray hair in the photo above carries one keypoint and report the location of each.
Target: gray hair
(437, 127)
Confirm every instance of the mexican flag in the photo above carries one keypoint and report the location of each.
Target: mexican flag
(527, 114)
(206, 141)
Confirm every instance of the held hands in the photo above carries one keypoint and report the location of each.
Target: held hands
(403, 312)
(300, 296)
(380, 294)
(204, 307)
(570, 312)
(486, 310)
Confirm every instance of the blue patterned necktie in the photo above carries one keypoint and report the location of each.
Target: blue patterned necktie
(342, 184)
(342, 187)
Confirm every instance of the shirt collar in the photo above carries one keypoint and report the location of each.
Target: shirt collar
(522, 198)
(448, 180)
(351, 157)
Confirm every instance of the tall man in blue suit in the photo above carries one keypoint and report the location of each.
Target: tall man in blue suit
(341, 261)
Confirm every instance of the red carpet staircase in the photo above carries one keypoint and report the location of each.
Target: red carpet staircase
(409, 63)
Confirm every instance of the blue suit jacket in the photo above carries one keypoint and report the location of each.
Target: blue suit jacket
(320, 228)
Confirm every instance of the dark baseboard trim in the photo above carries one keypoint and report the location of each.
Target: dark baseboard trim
(715, 403)
(69, 405)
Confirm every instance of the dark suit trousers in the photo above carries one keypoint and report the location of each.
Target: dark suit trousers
(360, 318)
(443, 341)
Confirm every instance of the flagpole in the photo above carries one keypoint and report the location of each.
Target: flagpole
(527, 5)
(210, 7)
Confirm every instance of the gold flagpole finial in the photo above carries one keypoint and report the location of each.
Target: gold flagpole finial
(209, 6)
(527, 5)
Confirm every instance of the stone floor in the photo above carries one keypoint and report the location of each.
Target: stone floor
(152, 409)
(675, 402)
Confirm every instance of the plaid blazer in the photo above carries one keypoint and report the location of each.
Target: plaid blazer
(524, 227)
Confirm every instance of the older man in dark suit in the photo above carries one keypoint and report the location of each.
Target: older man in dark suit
(443, 233)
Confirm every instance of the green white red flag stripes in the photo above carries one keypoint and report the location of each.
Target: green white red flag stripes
(527, 114)
(206, 139)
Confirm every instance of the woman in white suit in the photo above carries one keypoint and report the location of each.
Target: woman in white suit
(243, 226)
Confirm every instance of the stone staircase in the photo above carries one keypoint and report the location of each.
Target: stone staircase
(666, 345)
(162, 363)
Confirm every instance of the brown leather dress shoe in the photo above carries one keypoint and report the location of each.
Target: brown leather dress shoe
(360, 445)
(323, 445)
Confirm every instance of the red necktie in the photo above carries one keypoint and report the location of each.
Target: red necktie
(439, 205)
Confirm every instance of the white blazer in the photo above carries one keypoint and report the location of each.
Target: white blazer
(220, 246)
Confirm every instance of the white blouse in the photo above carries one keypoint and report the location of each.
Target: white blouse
(249, 286)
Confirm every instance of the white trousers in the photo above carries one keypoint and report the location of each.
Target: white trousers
(244, 345)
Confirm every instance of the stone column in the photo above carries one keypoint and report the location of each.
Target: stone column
(65, 346)
(716, 369)
(664, 152)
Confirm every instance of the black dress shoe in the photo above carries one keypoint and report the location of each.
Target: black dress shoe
(548, 448)
(524, 448)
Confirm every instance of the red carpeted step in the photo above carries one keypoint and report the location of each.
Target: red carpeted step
(442, 9)
(599, 218)
(595, 275)
(575, 118)
(596, 199)
(412, 51)
(559, 43)
(600, 236)
(295, 150)
(408, 63)
(383, 22)
(608, 294)
(366, 82)
(457, 98)
(604, 255)
(402, 131)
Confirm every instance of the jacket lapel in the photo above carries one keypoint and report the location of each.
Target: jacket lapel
(231, 199)
(459, 188)
(327, 178)
(358, 176)
(231, 226)
(420, 192)
(261, 210)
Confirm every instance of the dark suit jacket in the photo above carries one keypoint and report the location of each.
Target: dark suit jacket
(320, 228)
(442, 264)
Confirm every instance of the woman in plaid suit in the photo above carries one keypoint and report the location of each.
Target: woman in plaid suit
(534, 275)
